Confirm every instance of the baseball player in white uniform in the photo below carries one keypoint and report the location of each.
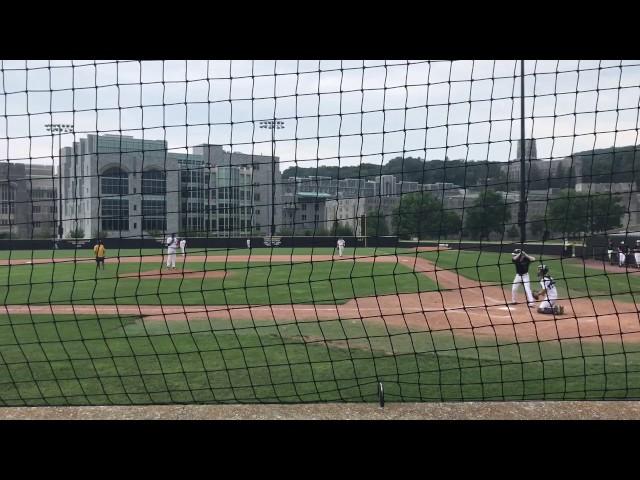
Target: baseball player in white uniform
(340, 246)
(172, 245)
(548, 289)
(248, 243)
(183, 246)
(521, 261)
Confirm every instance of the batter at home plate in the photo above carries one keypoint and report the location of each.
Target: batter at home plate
(521, 261)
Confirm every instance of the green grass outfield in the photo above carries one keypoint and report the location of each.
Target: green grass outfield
(324, 282)
(108, 360)
(574, 280)
(137, 252)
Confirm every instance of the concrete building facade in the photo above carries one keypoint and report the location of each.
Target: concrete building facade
(119, 186)
(260, 178)
(27, 207)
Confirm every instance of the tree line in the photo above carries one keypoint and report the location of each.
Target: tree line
(409, 169)
(570, 214)
(607, 165)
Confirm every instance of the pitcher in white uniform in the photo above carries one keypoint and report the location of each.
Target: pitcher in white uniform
(172, 245)
(340, 246)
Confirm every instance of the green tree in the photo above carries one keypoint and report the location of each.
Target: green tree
(538, 226)
(342, 231)
(488, 214)
(76, 233)
(574, 212)
(376, 224)
(513, 232)
(605, 213)
(421, 215)
(451, 224)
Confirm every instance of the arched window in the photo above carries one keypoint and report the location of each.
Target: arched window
(154, 182)
(114, 181)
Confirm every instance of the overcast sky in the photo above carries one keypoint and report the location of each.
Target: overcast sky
(336, 112)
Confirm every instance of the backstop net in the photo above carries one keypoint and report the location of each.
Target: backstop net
(318, 231)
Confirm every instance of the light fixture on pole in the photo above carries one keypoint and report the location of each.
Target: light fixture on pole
(60, 129)
(273, 125)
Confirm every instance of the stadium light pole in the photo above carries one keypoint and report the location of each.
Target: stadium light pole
(60, 129)
(273, 125)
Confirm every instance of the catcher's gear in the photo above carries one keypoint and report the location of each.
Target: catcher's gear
(542, 271)
(517, 251)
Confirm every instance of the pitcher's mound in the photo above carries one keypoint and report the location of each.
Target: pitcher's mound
(174, 274)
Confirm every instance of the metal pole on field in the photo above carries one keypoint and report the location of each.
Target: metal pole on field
(60, 129)
(273, 125)
(522, 215)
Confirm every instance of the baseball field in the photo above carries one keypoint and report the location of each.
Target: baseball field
(291, 325)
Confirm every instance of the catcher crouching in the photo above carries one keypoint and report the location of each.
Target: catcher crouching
(550, 303)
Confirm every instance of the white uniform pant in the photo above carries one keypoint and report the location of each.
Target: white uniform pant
(524, 280)
(621, 259)
(546, 304)
(171, 259)
(340, 250)
(637, 257)
(184, 252)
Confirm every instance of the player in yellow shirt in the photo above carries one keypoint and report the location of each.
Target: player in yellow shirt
(100, 251)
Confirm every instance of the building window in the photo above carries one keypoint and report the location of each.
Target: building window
(154, 182)
(114, 181)
(304, 217)
(115, 214)
(153, 208)
(304, 207)
(256, 197)
(154, 215)
(257, 211)
(36, 209)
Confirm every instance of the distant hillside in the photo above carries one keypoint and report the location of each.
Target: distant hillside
(605, 165)
(608, 165)
(410, 169)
